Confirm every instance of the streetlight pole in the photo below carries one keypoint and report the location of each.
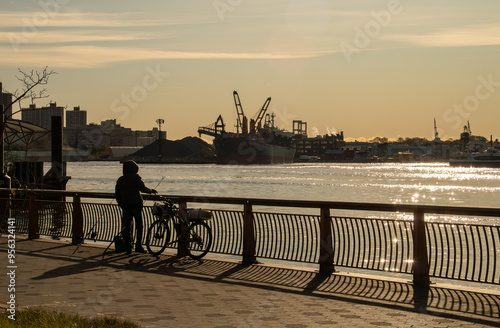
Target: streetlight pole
(159, 122)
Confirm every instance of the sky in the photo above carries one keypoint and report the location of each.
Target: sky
(365, 67)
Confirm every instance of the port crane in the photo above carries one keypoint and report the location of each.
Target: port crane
(258, 121)
(214, 129)
(242, 119)
(218, 128)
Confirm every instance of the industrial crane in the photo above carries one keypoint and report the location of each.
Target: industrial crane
(258, 121)
(242, 119)
(218, 128)
(214, 129)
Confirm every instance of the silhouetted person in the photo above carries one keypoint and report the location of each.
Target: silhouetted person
(128, 196)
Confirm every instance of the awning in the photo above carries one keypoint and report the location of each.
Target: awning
(17, 130)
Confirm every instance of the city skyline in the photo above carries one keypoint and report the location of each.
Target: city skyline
(369, 68)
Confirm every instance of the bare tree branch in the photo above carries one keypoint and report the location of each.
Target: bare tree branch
(30, 81)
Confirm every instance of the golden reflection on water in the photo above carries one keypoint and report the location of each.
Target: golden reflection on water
(389, 183)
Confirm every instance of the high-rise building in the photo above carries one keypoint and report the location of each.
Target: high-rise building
(76, 117)
(42, 116)
(6, 100)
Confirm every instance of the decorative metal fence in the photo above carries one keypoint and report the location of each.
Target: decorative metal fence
(464, 252)
(102, 220)
(424, 249)
(375, 244)
(287, 237)
(55, 218)
(227, 228)
(20, 211)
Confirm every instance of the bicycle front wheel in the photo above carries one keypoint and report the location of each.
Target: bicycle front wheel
(157, 237)
(198, 239)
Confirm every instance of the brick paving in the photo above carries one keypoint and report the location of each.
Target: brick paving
(172, 292)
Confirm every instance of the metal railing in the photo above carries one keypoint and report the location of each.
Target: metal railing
(468, 252)
(464, 252)
(375, 244)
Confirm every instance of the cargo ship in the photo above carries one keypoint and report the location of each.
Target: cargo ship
(254, 143)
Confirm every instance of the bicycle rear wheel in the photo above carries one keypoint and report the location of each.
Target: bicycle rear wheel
(157, 237)
(197, 239)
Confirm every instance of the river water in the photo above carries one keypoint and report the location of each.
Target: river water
(430, 184)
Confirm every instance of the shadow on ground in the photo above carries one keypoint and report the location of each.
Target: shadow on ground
(477, 307)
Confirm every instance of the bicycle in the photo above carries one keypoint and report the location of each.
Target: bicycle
(193, 233)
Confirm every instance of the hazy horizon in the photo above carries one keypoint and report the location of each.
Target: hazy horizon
(367, 68)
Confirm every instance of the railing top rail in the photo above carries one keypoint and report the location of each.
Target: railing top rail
(381, 207)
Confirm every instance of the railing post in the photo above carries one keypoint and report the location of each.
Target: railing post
(248, 235)
(78, 233)
(181, 251)
(326, 243)
(420, 259)
(5, 205)
(33, 218)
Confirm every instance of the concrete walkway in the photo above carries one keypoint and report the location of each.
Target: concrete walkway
(171, 292)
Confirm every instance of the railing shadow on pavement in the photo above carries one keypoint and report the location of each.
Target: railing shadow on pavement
(438, 301)
(466, 305)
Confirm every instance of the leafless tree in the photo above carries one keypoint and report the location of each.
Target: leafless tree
(31, 81)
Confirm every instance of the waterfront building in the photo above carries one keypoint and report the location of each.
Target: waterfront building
(319, 145)
(361, 150)
(76, 117)
(144, 138)
(107, 134)
(42, 116)
(6, 100)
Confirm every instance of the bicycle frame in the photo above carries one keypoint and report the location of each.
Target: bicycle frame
(194, 236)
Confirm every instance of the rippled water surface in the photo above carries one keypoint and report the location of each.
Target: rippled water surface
(434, 184)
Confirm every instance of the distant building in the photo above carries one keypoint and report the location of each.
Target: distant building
(42, 116)
(99, 136)
(118, 135)
(145, 138)
(6, 100)
(319, 145)
(76, 117)
(361, 151)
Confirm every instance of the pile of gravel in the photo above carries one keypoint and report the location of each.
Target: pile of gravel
(187, 150)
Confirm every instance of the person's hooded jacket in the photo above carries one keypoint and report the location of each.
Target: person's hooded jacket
(129, 187)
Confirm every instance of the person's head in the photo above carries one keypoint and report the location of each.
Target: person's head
(130, 167)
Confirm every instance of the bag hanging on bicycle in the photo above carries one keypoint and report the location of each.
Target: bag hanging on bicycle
(198, 214)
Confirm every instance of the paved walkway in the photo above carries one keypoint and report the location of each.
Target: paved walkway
(171, 292)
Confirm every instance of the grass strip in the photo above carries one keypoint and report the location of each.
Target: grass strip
(41, 318)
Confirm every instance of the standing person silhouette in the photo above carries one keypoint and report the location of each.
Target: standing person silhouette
(128, 196)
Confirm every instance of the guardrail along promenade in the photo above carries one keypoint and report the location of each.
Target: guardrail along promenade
(423, 249)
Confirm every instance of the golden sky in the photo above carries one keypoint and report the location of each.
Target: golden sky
(366, 67)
